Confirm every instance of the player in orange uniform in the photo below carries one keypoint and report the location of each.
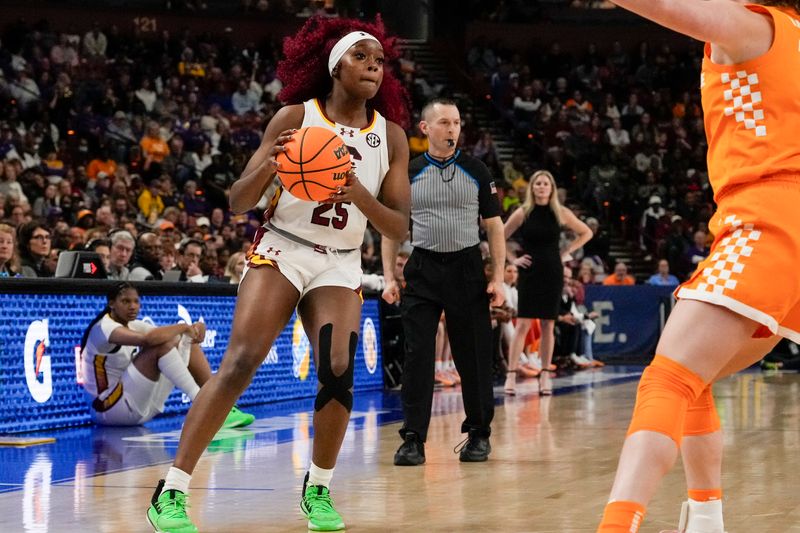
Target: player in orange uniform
(307, 253)
(746, 294)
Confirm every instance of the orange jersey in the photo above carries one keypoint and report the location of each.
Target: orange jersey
(752, 110)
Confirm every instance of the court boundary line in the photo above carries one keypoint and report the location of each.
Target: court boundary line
(499, 399)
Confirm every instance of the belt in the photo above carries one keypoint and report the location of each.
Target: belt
(446, 257)
(299, 240)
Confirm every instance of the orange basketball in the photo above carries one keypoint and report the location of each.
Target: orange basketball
(315, 163)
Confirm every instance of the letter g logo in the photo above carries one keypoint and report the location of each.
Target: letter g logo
(38, 372)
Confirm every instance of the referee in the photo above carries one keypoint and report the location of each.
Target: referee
(449, 191)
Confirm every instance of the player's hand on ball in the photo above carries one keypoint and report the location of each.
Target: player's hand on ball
(351, 191)
(278, 147)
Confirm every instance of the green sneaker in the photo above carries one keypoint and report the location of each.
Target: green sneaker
(317, 505)
(237, 419)
(167, 512)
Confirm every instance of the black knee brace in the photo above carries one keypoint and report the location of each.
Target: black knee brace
(334, 387)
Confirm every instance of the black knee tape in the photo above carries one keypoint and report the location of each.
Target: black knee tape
(334, 387)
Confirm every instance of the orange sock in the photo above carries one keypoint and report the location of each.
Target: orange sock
(622, 517)
(705, 495)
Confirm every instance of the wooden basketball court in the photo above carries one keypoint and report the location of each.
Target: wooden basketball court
(550, 470)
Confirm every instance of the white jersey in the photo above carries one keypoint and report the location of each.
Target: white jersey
(105, 362)
(336, 225)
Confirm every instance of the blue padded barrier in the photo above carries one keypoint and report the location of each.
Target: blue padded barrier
(53, 325)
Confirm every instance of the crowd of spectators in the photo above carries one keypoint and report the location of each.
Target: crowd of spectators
(126, 145)
(528, 11)
(273, 9)
(114, 141)
(105, 131)
(622, 131)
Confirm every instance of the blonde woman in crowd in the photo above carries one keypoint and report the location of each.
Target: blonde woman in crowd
(8, 257)
(235, 267)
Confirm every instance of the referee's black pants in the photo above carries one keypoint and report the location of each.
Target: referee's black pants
(455, 283)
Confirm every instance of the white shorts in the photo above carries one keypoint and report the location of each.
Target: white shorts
(304, 267)
(142, 399)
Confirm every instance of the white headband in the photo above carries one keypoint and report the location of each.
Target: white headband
(344, 45)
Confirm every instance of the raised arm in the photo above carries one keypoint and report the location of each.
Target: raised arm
(741, 33)
(260, 170)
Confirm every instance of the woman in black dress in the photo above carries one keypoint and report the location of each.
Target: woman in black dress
(540, 269)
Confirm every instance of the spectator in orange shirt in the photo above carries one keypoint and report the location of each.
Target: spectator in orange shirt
(620, 276)
(580, 103)
(154, 149)
(101, 163)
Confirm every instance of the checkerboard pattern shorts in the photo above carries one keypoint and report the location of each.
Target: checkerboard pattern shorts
(754, 265)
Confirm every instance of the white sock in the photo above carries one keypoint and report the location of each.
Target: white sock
(175, 368)
(705, 517)
(319, 476)
(438, 366)
(177, 479)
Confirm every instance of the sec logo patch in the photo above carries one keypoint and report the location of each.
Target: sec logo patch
(373, 140)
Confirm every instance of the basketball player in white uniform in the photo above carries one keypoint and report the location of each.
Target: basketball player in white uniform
(316, 244)
(306, 255)
(130, 367)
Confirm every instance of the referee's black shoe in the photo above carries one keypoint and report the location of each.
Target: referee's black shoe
(475, 448)
(411, 452)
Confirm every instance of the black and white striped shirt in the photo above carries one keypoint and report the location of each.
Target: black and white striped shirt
(446, 199)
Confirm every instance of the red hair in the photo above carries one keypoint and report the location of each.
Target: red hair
(304, 69)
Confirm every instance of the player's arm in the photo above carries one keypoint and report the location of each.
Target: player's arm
(128, 337)
(741, 33)
(390, 215)
(260, 170)
(389, 249)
